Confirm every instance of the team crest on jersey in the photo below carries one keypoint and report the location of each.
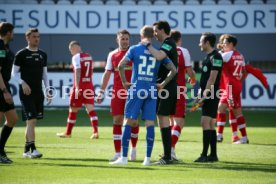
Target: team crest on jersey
(205, 68)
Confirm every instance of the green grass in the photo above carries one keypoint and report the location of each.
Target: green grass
(80, 160)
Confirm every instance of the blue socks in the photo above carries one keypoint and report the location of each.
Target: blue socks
(150, 140)
(125, 139)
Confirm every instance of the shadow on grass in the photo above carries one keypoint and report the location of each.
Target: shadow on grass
(180, 166)
(237, 166)
(263, 144)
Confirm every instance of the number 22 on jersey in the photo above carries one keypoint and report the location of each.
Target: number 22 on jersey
(145, 68)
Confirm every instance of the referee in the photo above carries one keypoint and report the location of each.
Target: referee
(7, 108)
(209, 84)
(29, 69)
(165, 106)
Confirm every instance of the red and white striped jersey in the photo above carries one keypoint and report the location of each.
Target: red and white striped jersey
(184, 61)
(84, 62)
(113, 60)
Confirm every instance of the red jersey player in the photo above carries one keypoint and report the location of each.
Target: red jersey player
(83, 90)
(232, 80)
(184, 66)
(119, 93)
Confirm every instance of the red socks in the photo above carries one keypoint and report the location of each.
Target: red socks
(94, 121)
(134, 136)
(117, 133)
(71, 122)
(221, 119)
(176, 131)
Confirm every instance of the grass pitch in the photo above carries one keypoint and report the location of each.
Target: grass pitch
(80, 160)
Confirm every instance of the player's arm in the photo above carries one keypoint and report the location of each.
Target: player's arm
(77, 66)
(46, 85)
(121, 67)
(3, 88)
(170, 66)
(158, 54)
(188, 65)
(16, 75)
(105, 80)
(6, 94)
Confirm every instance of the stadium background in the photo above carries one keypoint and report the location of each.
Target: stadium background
(95, 22)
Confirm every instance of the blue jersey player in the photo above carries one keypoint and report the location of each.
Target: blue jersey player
(142, 91)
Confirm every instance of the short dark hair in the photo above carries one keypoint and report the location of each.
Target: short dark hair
(123, 31)
(5, 27)
(175, 35)
(30, 31)
(74, 43)
(210, 37)
(162, 24)
(231, 39)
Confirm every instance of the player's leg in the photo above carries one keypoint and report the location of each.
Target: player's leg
(213, 142)
(75, 104)
(166, 107)
(134, 140)
(71, 120)
(88, 100)
(178, 123)
(208, 120)
(125, 142)
(205, 124)
(11, 118)
(221, 119)
(117, 111)
(148, 114)
(242, 126)
(93, 120)
(176, 132)
(234, 126)
(149, 141)
(34, 111)
(117, 135)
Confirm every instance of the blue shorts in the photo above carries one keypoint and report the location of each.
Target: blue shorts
(138, 102)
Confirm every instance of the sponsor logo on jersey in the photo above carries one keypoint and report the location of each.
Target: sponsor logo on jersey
(217, 62)
(2, 53)
(166, 47)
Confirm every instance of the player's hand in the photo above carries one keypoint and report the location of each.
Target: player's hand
(231, 102)
(100, 97)
(159, 86)
(26, 88)
(196, 104)
(126, 85)
(192, 81)
(8, 98)
(77, 91)
(49, 98)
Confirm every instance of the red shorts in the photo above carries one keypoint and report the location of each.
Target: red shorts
(236, 99)
(86, 96)
(180, 110)
(118, 103)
